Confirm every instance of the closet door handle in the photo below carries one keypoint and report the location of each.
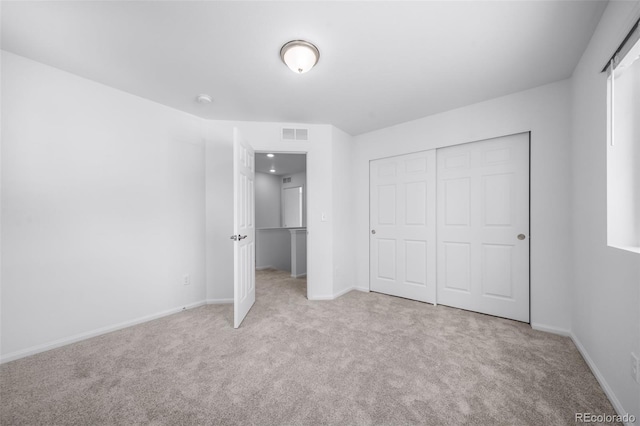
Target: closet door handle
(373, 231)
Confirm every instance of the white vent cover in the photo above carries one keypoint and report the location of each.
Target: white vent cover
(286, 180)
(289, 134)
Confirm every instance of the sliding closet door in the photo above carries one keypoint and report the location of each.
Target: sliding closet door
(483, 226)
(402, 226)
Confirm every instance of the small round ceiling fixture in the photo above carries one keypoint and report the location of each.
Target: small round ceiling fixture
(204, 99)
(299, 55)
(270, 155)
(272, 170)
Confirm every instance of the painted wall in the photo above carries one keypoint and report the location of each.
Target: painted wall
(102, 208)
(273, 249)
(545, 111)
(267, 190)
(344, 255)
(273, 246)
(219, 196)
(606, 288)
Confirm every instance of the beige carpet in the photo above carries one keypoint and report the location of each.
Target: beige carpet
(361, 359)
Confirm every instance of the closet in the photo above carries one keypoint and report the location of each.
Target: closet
(451, 226)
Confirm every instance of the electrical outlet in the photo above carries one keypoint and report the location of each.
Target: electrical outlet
(186, 279)
(635, 367)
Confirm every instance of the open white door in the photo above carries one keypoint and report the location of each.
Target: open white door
(244, 230)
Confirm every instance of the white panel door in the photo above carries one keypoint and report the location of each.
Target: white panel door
(403, 224)
(483, 226)
(244, 261)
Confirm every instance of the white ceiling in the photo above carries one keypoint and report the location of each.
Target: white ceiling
(381, 63)
(283, 164)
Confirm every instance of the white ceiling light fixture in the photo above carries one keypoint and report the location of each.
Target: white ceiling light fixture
(299, 55)
(204, 99)
(270, 155)
(272, 170)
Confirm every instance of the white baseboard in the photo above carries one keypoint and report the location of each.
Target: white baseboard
(93, 333)
(262, 268)
(617, 405)
(338, 294)
(551, 329)
(321, 297)
(299, 275)
(219, 301)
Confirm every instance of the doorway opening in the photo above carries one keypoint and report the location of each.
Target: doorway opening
(281, 223)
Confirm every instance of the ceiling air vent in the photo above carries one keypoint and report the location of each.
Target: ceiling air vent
(286, 180)
(289, 134)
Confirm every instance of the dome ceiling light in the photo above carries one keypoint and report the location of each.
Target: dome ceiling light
(204, 99)
(299, 55)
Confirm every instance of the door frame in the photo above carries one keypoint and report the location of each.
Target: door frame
(306, 197)
(529, 132)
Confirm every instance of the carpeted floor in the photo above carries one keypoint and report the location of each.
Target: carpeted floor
(364, 358)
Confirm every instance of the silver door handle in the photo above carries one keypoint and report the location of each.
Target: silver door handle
(238, 237)
(373, 231)
(234, 237)
(242, 237)
(521, 236)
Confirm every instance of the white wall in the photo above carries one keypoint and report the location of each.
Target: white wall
(545, 112)
(102, 207)
(267, 190)
(273, 249)
(219, 169)
(344, 256)
(606, 319)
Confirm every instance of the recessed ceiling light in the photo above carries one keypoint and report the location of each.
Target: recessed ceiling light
(204, 99)
(272, 170)
(270, 155)
(299, 55)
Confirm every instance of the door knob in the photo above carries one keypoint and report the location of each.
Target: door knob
(242, 237)
(521, 236)
(234, 237)
(373, 231)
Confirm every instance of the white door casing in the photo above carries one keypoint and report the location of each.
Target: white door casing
(402, 226)
(483, 226)
(244, 262)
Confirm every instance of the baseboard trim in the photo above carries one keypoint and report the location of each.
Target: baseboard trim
(219, 301)
(299, 275)
(617, 405)
(93, 333)
(262, 268)
(338, 294)
(321, 297)
(551, 329)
